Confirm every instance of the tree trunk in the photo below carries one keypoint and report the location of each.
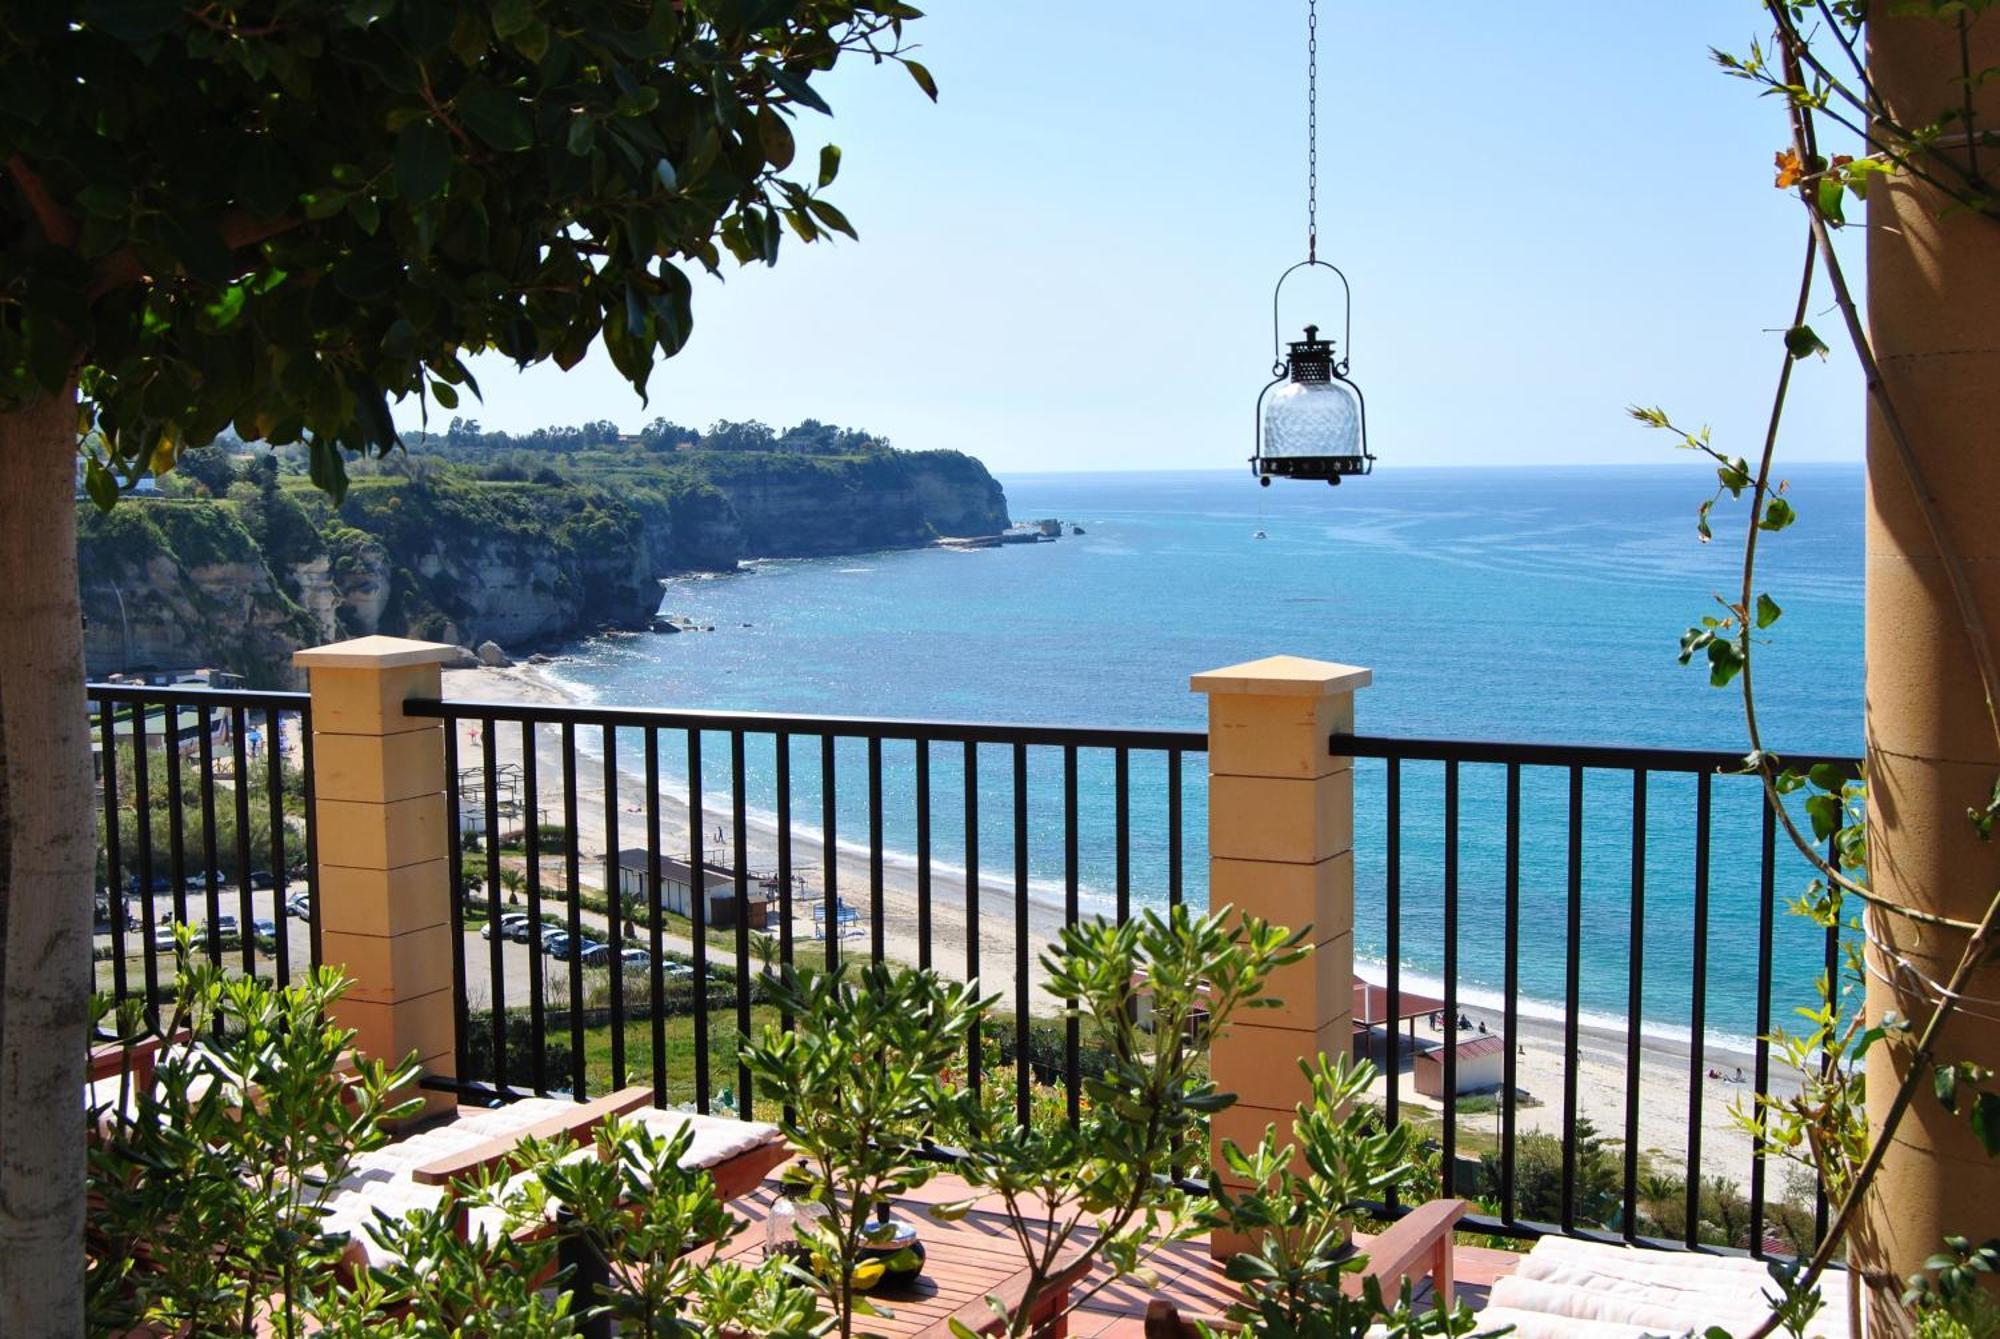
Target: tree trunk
(46, 861)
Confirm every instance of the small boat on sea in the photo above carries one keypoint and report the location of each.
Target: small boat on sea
(1260, 535)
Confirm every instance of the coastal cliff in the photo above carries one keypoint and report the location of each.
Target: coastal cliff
(435, 552)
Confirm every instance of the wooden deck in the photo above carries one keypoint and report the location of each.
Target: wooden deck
(1188, 1278)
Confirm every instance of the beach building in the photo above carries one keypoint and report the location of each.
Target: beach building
(1479, 1064)
(676, 882)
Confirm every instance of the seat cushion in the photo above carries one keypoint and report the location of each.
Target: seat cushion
(1614, 1291)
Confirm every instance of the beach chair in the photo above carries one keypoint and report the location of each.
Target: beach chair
(1568, 1288)
(415, 1172)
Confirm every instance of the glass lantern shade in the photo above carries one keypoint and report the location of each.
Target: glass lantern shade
(1311, 422)
(1307, 418)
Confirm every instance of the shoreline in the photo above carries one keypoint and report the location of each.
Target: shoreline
(1602, 1049)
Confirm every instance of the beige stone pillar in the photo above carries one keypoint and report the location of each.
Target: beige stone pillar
(1281, 847)
(1934, 319)
(385, 888)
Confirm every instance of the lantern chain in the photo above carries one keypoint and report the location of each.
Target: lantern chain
(1312, 129)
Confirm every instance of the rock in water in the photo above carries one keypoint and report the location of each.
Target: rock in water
(492, 656)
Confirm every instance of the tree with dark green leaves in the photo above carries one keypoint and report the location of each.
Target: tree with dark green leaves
(278, 217)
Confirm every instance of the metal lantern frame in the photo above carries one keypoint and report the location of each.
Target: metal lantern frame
(1330, 468)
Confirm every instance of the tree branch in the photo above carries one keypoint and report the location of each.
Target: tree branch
(238, 229)
(56, 224)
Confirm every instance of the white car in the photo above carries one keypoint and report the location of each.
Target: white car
(512, 926)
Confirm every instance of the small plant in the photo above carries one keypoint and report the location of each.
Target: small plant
(208, 1183)
(860, 1075)
(1101, 1191)
(637, 1214)
(1293, 1281)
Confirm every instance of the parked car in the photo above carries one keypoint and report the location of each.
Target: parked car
(595, 955)
(512, 926)
(674, 969)
(561, 945)
(163, 936)
(266, 931)
(635, 960)
(228, 929)
(523, 930)
(299, 905)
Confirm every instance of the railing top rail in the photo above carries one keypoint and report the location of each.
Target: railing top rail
(1615, 756)
(183, 695)
(772, 722)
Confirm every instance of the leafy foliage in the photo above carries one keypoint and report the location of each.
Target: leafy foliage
(862, 1078)
(283, 222)
(1111, 1170)
(209, 1182)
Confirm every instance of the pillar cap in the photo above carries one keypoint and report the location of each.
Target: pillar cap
(375, 653)
(1283, 676)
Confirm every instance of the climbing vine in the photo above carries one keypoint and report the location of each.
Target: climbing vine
(1814, 66)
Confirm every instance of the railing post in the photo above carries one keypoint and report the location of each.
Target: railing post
(1280, 844)
(385, 890)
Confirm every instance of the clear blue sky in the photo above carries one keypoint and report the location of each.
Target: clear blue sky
(1547, 211)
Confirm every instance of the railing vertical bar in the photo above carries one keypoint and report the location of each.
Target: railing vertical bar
(781, 746)
(614, 903)
(211, 885)
(1122, 785)
(1072, 1025)
(274, 803)
(1831, 966)
(972, 1056)
(1572, 983)
(531, 833)
(876, 929)
(1766, 917)
(923, 853)
(315, 920)
(1173, 827)
(1635, 1004)
(1511, 996)
(1392, 917)
(739, 815)
(246, 916)
(829, 847)
(489, 755)
(698, 913)
(176, 831)
(114, 865)
(1698, 1009)
(656, 913)
(1022, 1034)
(579, 1080)
(142, 815)
(454, 844)
(1450, 1020)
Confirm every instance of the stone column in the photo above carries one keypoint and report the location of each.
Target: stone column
(1281, 847)
(385, 887)
(1934, 318)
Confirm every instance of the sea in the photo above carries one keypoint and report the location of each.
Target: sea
(1517, 604)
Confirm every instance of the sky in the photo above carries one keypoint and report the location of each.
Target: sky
(1547, 212)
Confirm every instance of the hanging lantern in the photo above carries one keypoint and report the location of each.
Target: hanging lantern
(1315, 424)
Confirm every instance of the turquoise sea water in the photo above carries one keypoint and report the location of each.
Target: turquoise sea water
(1523, 604)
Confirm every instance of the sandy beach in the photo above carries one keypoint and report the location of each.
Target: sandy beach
(1602, 1059)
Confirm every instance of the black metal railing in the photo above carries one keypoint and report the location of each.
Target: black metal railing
(222, 779)
(670, 846)
(741, 864)
(1629, 822)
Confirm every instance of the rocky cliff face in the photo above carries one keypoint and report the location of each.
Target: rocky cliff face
(178, 585)
(240, 584)
(791, 506)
